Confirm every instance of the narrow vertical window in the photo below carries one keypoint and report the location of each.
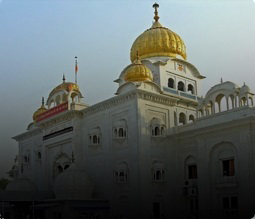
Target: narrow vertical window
(191, 89)
(192, 171)
(228, 167)
(180, 86)
(121, 132)
(157, 132)
(170, 83)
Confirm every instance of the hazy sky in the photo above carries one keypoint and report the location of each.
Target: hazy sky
(39, 40)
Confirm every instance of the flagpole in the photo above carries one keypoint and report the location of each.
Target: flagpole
(76, 69)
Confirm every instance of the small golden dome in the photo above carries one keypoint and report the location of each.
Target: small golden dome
(158, 41)
(137, 72)
(41, 110)
(67, 86)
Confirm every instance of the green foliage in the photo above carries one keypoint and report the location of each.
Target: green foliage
(3, 183)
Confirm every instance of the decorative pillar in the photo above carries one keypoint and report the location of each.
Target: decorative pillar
(212, 108)
(227, 99)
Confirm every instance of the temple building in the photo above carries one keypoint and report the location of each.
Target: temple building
(157, 149)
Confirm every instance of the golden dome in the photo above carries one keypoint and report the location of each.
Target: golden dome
(158, 41)
(137, 72)
(67, 86)
(41, 110)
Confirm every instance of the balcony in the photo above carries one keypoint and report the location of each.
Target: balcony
(180, 93)
(191, 191)
(226, 181)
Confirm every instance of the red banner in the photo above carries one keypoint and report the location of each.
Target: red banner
(53, 111)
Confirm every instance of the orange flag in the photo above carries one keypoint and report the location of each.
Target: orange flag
(76, 67)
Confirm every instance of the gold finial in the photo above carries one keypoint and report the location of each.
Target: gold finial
(156, 6)
(137, 55)
(64, 78)
(137, 60)
(72, 157)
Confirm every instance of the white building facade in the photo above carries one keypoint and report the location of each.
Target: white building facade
(156, 149)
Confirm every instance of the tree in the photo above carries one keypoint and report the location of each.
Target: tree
(3, 183)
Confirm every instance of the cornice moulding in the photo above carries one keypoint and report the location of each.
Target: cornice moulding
(27, 134)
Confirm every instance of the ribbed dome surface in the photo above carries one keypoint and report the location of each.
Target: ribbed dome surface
(67, 86)
(137, 72)
(158, 41)
(41, 110)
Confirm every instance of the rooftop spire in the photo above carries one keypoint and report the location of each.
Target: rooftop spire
(156, 6)
(137, 55)
(42, 101)
(64, 78)
(137, 60)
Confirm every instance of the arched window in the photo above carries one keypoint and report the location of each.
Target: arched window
(156, 131)
(94, 136)
(224, 164)
(159, 175)
(222, 103)
(121, 132)
(157, 127)
(191, 168)
(180, 86)
(191, 118)
(58, 100)
(158, 171)
(121, 174)
(120, 129)
(162, 131)
(191, 89)
(26, 156)
(182, 119)
(61, 163)
(171, 83)
(228, 167)
(95, 139)
(227, 161)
